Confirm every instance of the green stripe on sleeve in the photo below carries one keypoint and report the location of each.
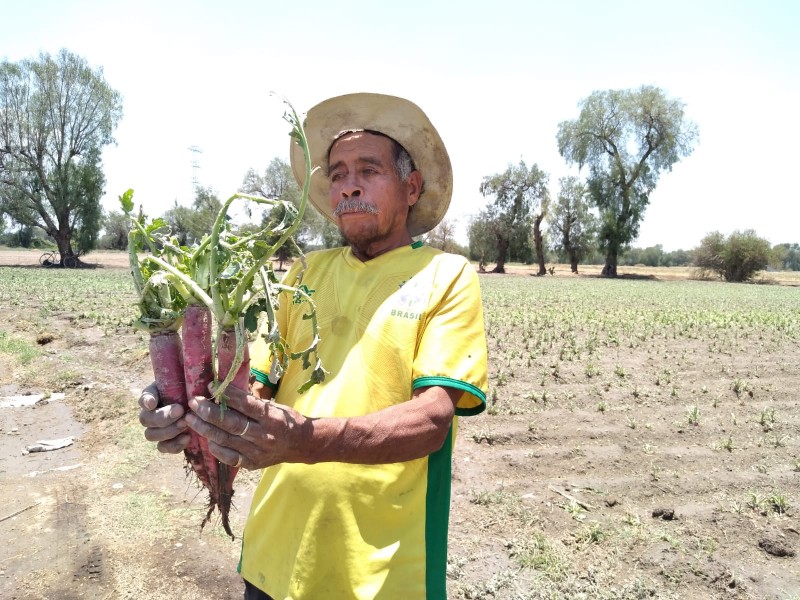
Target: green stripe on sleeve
(459, 385)
(263, 378)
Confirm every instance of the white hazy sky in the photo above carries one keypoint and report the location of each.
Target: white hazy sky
(496, 78)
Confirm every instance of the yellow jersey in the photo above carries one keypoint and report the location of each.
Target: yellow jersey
(409, 318)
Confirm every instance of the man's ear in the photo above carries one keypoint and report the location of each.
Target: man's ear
(414, 184)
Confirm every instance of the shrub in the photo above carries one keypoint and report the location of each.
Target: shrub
(735, 258)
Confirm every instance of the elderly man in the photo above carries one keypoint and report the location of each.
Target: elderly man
(354, 498)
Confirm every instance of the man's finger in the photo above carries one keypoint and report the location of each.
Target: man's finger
(161, 434)
(230, 421)
(149, 398)
(175, 445)
(244, 403)
(161, 417)
(227, 455)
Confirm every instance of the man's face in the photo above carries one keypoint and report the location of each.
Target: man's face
(368, 198)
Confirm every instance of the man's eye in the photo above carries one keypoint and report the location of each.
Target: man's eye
(335, 176)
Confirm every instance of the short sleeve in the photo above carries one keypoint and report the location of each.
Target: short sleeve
(452, 349)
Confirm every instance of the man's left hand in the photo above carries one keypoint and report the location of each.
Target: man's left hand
(251, 433)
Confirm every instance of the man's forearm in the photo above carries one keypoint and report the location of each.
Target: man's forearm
(399, 433)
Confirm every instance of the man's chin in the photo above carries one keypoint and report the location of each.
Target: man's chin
(360, 237)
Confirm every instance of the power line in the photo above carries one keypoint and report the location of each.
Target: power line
(195, 166)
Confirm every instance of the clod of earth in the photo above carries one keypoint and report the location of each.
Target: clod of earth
(775, 547)
(665, 514)
(44, 338)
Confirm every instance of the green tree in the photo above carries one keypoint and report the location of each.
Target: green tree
(278, 182)
(115, 231)
(677, 258)
(627, 138)
(735, 258)
(787, 256)
(207, 205)
(573, 223)
(443, 237)
(519, 201)
(190, 224)
(56, 115)
(482, 242)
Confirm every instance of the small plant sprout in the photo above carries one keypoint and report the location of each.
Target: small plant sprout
(741, 387)
(726, 444)
(619, 371)
(693, 417)
(756, 502)
(576, 510)
(502, 378)
(632, 520)
(767, 419)
(592, 370)
(632, 422)
(649, 449)
(665, 376)
(592, 533)
(777, 441)
(602, 406)
(778, 501)
(655, 472)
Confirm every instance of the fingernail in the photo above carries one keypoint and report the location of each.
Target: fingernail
(175, 410)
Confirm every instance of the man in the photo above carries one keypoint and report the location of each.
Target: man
(354, 498)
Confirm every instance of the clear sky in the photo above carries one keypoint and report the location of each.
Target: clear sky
(496, 78)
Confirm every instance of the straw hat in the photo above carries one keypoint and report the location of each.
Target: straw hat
(396, 117)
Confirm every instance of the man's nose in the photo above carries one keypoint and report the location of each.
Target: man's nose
(351, 188)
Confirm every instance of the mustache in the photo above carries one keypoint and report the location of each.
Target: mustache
(352, 205)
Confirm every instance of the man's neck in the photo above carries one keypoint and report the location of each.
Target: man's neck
(366, 252)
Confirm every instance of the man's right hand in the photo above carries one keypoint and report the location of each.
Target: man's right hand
(163, 424)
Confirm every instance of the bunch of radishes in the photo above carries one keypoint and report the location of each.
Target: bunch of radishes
(199, 303)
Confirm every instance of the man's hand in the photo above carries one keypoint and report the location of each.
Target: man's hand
(251, 433)
(163, 424)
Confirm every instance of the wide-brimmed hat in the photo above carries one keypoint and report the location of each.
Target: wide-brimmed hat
(395, 117)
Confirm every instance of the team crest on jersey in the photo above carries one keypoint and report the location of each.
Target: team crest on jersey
(410, 301)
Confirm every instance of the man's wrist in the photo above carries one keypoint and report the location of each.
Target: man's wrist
(313, 438)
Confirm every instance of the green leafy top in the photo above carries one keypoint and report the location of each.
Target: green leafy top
(231, 275)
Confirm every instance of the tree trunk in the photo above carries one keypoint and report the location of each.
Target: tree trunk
(64, 243)
(573, 261)
(537, 243)
(502, 252)
(610, 268)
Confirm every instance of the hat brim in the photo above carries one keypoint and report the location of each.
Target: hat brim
(395, 117)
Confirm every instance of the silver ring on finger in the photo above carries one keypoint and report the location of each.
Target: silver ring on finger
(238, 462)
(243, 431)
